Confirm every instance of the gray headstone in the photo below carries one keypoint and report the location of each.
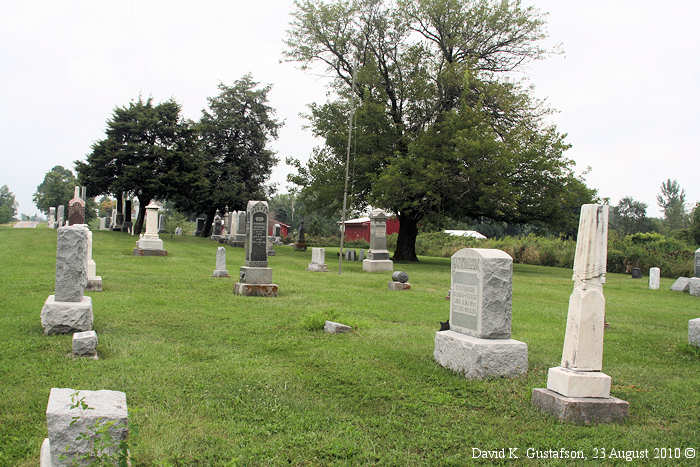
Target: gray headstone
(71, 264)
(85, 344)
(681, 284)
(256, 234)
(636, 273)
(481, 292)
(52, 218)
(697, 262)
(694, 286)
(242, 226)
(362, 255)
(654, 278)
(60, 216)
(200, 225)
(377, 236)
(694, 332)
(399, 276)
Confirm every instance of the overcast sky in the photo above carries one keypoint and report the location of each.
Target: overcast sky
(626, 88)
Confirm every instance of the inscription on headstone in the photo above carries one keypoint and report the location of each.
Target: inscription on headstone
(256, 236)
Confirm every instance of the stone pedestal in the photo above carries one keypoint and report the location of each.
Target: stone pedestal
(580, 410)
(377, 256)
(255, 276)
(694, 332)
(66, 317)
(149, 244)
(300, 246)
(381, 265)
(85, 344)
(237, 240)
(94, 284)
(480, 358)
(572, 383)
(313, 267)
(72, 429)
(394, 285)
(255, 290)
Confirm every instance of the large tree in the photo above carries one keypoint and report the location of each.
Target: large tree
(436, 127)
(148, 153)
(57, 188)
(235, 162)
(629, 216)
(671, 199)
(8, 205)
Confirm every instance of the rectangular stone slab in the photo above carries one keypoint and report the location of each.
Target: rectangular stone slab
(580, 410)
(71, 263)
(66, 317)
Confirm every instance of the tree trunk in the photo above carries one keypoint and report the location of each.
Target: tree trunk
(406, 243)
(207, 225)
(138, 227)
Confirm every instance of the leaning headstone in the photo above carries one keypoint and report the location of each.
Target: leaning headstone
(636, 273)
(318, 260)
(85, 344)
(256, 276)
(578, 391)
(697, 262)
(59, 216)
(378, 256)
(681, 284)
(149, 244)
(52, 218)
(694, 332)
(77, 420)
(200, 226)
(654, 278)
(478, 343)
(220, 270)
(76, 209)
(399, 281)
(94, 282)
(68, 310)
(694, 286)
(332, 327)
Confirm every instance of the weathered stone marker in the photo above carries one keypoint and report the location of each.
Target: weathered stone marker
(331, 327)
(94, 282)
(697, 262)
(76, 209)
(694, 286)
(256, 276)
(399, 281)
(636, 273)
(478, 342)
(681, 284)
(378, 256)
(694, 332)
(654, 278)
(68, 310)
(85, 344)
(318, 260)
(200, 226)
(150, 244)
(73, 417)
(217, 227)
(578, 391)
(238, 234)
(60, 220)
(220, 270)
(52, 218)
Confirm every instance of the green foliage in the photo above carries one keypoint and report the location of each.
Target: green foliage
(8, 205)
(56, 189)
(629, 216)
(292, 210)
(672, 200)
(695, 224)
(316, 320)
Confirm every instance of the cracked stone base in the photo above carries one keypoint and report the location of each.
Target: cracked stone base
(313, 267)
(140, 252)
(393, 285)
(480, 358)
(255, 290)
(580, 410)
(94, 285)
(377, 265)
(66, 317)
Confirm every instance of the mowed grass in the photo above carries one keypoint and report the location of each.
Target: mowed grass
(212, 378)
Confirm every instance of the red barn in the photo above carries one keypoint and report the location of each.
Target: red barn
(284, 228)
(358, 229)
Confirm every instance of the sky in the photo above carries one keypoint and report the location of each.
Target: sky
(626, 87)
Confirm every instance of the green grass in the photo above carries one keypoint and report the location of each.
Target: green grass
(213, 378)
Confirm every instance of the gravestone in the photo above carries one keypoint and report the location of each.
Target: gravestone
(654, 278)
(127, 225)
(119, 217)
(94, 282)
(178, 231)
(681, 284)
(256, 276)
(238, 237)
(271, 246)
(60, 220)
(52, 218)
(83, 193)
(478, 343)
(362, 255)
(318, 260)
(69, 310)
(378, 256)
(694, 286)
(217, 227)
(578, 391)
(74, 420)
(220, 270)
(113, 219)
(228, 222)
(300, 244)
(636, 273)
(694, 332)
(150, 244)
(331, 327)
(161, 223)
(399, 281)
(76, 209)
(103, 223)
(200, 226)
(84, 344)
(697, 262)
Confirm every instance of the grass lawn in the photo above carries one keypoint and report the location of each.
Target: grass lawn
(213, 378)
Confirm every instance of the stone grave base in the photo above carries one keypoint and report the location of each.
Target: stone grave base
(255, 275)
(149, 244)
(572, 383)
(237, 240)
(694, 332)
(314, 267)
(140, 252)
(580, 410)
(220, 273)
(480, 358)
(377, 265)
(94, 285)
(255, 290)
(300, 246)
(394, 285)
(66, 317)
(271, 253)
(218, 238)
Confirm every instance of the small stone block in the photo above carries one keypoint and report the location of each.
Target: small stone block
(313, 267)
(66, 424)
(681, 284)
(220, 273)
(140, 252)
(572, 383)
(255, 275)
(694, 286)
(393, 285)
(66, 317)
(85, 344)
(694, 332)
(332, 327)
(94, 285)
(255, 290)
(480, 358)
(377, 265)
(580, 410)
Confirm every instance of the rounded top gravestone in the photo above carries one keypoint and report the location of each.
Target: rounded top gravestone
(399, 276)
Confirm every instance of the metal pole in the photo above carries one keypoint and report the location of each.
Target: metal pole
(347, 174)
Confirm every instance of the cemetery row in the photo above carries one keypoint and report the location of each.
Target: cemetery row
(476, 341)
